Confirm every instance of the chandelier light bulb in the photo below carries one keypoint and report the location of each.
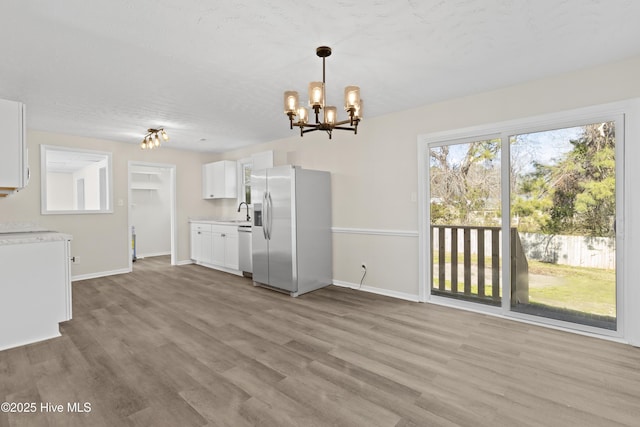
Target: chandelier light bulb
(290, 102)
(303, 115)
(357, 114)
(330, 115)
(164, 135)
(351, 97)
(316, 94)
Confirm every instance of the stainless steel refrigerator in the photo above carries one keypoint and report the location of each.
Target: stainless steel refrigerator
(291, 233)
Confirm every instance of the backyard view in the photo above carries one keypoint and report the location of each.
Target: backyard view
(562, 208)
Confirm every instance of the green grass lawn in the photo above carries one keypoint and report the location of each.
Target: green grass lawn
(588, 290)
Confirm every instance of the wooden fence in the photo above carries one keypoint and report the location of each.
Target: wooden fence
(477, 284)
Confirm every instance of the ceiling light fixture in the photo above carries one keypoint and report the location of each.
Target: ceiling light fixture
(352, 105)
(152, 140)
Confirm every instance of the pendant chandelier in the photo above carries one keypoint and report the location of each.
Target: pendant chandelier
(152, 140)
(352, 105)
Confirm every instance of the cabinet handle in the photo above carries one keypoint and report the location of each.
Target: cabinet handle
(224, 235)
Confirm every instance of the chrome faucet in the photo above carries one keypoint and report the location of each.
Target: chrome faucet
(240, 206)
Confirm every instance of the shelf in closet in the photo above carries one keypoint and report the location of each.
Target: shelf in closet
(145, 186)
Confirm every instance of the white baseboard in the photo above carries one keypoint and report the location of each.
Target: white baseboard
(379, 291)
(152, 254)
(99, 274)
(185, 262)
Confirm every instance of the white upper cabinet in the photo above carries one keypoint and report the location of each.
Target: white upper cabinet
(262, 160)
(219, 180)
(14, 168)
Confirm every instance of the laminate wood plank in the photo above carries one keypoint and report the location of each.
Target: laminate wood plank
(339, 406)
(221, 406)
(398, 404)
(190, 346)
(358, 372)
(268, 406)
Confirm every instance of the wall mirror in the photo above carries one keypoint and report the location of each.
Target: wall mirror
(75, 181)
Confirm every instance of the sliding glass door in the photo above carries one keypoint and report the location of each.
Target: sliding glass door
(465, 220)
(525, 220)
(563, 206)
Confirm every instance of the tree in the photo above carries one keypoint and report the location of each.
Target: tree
(576, 195)
(465, 183)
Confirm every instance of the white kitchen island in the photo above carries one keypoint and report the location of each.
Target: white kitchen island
(35, 285)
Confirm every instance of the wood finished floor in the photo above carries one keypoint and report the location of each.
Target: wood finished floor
(189, 346)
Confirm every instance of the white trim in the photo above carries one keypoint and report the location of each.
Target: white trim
(185, 262)
(529, 320)
(375, 232)
(218, 267)
(152, 255)
(80, 277)
(172, 208)
(378, 291)
(43, 181)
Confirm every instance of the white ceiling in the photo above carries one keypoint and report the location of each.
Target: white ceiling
(212, 73)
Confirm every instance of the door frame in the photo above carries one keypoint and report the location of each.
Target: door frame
(173, 207)
(627, 298)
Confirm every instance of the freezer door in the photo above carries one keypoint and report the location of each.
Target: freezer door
(259, 243)
(281, 223)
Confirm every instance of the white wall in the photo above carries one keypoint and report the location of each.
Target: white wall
(91, 176)
(60, 191)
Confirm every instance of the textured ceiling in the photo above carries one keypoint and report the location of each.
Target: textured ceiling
(212, 73)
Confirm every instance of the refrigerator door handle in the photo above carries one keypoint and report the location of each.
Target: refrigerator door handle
(270, 219)
(265, 214)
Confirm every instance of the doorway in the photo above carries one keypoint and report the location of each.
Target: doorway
(520, 220)
(152, 211)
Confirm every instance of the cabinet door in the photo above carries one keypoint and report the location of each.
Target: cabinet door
(231, 254)
(263, 160)
(219, 180)
(12, 147)
(196, 243)
(218, 240)
(206, 247)
(208, 179)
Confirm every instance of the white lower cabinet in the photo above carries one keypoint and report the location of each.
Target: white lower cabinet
(201, 248)
(218, 244)
(215, 245)
(231, 253)
(35, 291)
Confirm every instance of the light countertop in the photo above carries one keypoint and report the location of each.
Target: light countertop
(16, 238)
(220, 221)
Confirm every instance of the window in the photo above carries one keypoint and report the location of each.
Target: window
(75, 181)
(257, 161)
(245, 166)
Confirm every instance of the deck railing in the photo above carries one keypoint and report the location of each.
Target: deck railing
(484, 244)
